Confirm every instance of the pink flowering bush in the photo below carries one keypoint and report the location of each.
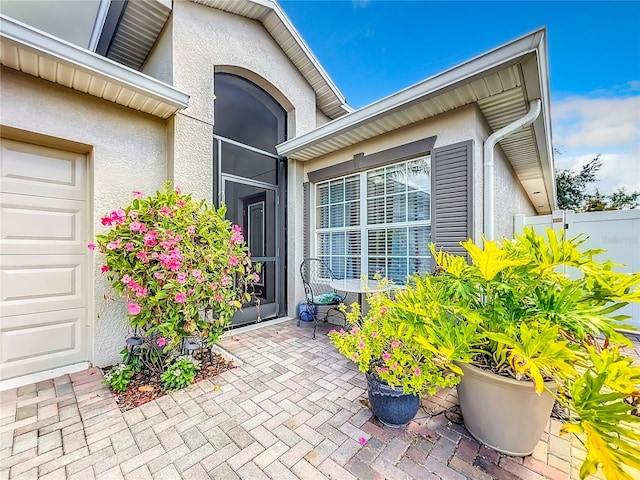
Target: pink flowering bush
(181, 268)
(382, 344)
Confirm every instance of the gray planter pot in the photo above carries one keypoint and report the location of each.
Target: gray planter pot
(503, 413)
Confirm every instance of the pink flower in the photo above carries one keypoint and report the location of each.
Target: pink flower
(233, 261)
(354, 357)
(158, 275)
(181, 203)
(141, 291)
(236, 237)
(165, 210)
(91, 246)
(225, 281)
(137, 227)
(219, 298)
(142, 255)
(363, 441)
(133, 308)
(214, 286)
(126, 279)
(133, 214)
(191, 229)
(128, 246)
(114, 245)
(106, 221)
(137, 194)
(332, 331)
(383, 370)
(383, 310)
(395, 344)
(178, 189)
(256, 277)
(417, 372)
(104, 268)
(150, 239)
(180, 297)
(361, 345)
(118, 216)
(161, 342)
(196, 273)
(181, 277)
(386, 356)
(374, 334)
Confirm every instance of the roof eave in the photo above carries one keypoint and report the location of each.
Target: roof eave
(447, 79)
(333, 104)
(23, 37)
(312, 58)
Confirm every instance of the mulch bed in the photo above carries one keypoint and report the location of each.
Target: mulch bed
(146, 385)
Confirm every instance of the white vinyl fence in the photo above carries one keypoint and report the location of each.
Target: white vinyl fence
(617, 231)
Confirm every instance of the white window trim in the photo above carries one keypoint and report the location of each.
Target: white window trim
(363, 227)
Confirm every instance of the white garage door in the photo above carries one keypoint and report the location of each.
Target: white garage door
(43, 258)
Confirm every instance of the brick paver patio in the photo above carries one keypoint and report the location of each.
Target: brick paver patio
(294, 409)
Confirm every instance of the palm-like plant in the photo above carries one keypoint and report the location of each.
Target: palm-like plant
(513, 311)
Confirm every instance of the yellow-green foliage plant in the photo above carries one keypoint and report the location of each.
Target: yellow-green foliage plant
(510, 309)
(381, 343)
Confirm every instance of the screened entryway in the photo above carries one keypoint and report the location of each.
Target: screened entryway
(249, 124)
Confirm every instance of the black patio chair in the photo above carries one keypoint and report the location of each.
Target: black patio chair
(316, 277)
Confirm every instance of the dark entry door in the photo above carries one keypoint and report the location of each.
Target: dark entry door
(253, 206)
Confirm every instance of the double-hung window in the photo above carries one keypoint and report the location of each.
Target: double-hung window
(377, 221)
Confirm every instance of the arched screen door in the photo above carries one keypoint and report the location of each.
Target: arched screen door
(249, 124)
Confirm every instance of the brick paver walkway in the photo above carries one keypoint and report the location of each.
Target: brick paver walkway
(293, 410)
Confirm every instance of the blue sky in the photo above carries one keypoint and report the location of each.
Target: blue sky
(372, 48)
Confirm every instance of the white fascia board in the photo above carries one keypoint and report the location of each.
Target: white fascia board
(454, 76)
(66, 53)
(98, 24)
(548, 167)
(306, 50)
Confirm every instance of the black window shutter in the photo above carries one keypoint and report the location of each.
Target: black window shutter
(452, 196)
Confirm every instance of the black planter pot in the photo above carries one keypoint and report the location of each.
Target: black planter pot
(392, 407)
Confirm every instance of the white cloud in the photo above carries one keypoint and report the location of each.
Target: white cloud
(618, 170)
(360, 3)
(585, 126)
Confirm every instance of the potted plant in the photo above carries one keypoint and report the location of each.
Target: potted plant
(181, 268)
(398, 370)
(514, 323)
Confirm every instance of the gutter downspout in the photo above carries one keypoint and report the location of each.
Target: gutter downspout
(535, 106)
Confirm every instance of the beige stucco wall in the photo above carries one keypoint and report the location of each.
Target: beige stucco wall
(451, 127)
(321, 118)
(126, 151)
(466, 123)
(206, 39)
(159, 63)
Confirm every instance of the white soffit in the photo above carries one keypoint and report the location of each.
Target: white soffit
(329, 99)
(495, 81)
(137, 32)
(42, 55)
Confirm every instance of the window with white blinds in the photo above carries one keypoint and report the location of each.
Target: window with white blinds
(376, 221)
